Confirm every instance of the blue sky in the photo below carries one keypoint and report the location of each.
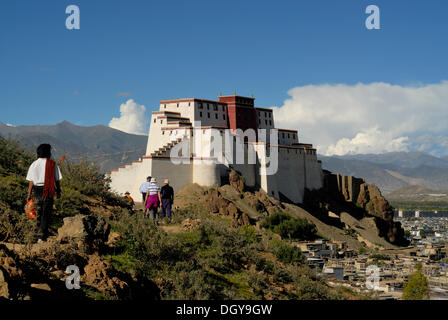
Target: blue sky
(161, 49)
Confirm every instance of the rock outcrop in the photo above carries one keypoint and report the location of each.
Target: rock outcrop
(219, 205)
(358, 198)
(102, 276)
(236, 181)
(89, 231)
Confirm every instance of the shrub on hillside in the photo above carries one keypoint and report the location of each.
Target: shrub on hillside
(14, 159)
(290, 227)
(14, 226)
(287, 253)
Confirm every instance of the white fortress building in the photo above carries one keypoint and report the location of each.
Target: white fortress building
(200, 141)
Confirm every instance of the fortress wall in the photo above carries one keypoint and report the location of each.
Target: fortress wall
(218, 118)
(130, 178)
(248, 170)
(154, 135)
(185, 110)
(314, 173)
(206, 173)
(179, 175)
(291, 177)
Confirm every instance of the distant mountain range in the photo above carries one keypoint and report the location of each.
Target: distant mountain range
(108, 147)
(393, 170)
(111, 148)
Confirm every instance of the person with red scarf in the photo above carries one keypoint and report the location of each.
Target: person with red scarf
(44, 178)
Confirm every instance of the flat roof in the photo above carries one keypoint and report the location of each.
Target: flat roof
(191, 99)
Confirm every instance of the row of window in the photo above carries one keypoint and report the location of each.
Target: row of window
(284, 135)
(265, 122)
(216, 115)
(266, 114)
(164, 106)
(214, 106)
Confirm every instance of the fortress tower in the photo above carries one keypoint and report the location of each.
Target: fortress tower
(192, 122)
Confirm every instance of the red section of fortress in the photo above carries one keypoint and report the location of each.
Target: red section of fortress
(241, 112)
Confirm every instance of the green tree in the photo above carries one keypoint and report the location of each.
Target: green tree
(416, 288)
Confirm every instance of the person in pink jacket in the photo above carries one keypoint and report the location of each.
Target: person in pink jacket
(153, 199)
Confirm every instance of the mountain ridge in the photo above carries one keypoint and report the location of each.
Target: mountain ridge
(393, 170)
(108, 147)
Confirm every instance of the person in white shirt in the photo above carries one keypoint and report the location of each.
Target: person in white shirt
(144, 188)
(44, 178)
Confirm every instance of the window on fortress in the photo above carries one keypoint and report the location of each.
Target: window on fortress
(215, 107)
(223, 117)
(283, 135)
(270, 122)
(200, 105)
(178, 105)
(200, 114)
(208, 106)
(161, 121)
(216, 116)
(163, 132)
(288, 135)
(155, 120)
(208, 115)
(266, 114)
(189, 103)
(266, 122)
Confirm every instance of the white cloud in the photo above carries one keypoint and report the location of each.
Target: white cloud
(132, 118)
(366, 118)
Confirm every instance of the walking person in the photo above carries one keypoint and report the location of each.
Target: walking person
(144, 189)
(167, 196)
(153, 199)
(43, 176)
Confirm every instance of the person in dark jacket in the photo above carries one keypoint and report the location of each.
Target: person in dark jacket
(167, 195)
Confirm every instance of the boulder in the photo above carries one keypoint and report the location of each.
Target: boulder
(103, 277)
(89, 230)
(4, 290)
(236, 181)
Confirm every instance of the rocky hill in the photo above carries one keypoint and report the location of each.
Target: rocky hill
(346, 209)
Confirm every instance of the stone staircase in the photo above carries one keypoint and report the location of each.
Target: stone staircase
(164, 151)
